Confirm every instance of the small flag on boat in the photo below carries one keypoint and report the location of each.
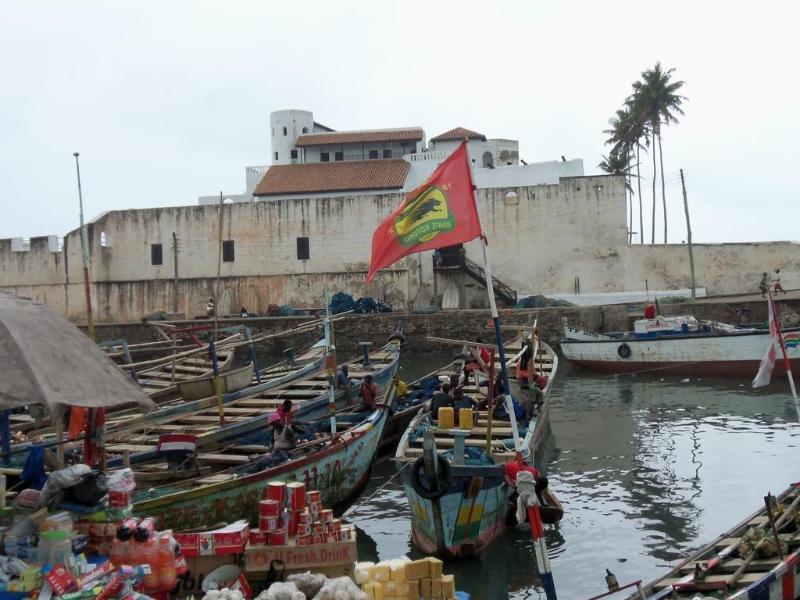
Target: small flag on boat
(768, 362)
(439, 213)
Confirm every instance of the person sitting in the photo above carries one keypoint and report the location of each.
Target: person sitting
(284, 438)
(461, 400)
(368, 391)
(400, 387)
(480, 357)
(441, 398)
(244, 314)
(279, 422)
(343, 383)
(211, 307)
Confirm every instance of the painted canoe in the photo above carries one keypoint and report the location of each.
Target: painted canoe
(724, 568)
(246, 415)
(339, 469)
(472, 504)
(711, 350)
(203, 387)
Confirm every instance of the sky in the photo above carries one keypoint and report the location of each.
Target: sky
(168, 101)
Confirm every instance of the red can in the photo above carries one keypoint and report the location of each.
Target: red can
(258, 537)
(303, 529)
(319, 527)
(304, 518)
(267, 524)
(277, 538)
(291, 524)
(119, 498)
(318, 537)
(296, 496)
(326, 516)
(343, 535)
(269, 508)
(276, 490)
(337, 525)
(313, 496)
(305, 540)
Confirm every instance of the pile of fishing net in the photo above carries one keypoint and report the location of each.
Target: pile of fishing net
(539, 301)
(760, 543)
(342, 302)
(308, 586)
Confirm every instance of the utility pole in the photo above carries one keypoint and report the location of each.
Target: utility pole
(85, 253)
(688, 235)
(175, 277)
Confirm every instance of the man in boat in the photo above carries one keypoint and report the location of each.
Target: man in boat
(368, 391)
(524, 363)
(441, 398)
(343, 383)
(280, 423)
(400, 387)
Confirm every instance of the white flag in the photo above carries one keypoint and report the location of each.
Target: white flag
(768, 362)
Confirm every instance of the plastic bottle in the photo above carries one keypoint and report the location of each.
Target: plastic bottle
(150, 556)
(126, 529)
(119, 552)
(144, 530)
(167, 575)
(135, 553)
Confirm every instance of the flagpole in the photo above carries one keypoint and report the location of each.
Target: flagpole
(786, 363)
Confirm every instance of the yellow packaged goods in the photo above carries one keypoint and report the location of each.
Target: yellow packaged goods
(389, 588)
(398, 569)
(425, 588)
(418, 569)
(436, 567)
(436, 589)
(413, 589)
(380, 572)
(446, 417)
(465, 418)
(448, 586)
(374, 590)
(401, 589)
(361, 572)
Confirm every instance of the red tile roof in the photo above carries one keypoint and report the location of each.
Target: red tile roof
(343, 176)
(361, 137)
(459, 133)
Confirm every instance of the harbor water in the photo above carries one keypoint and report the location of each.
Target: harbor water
(648, 467)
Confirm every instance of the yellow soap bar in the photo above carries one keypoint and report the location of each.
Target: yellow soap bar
(374, 590)
(413, 589)
(380, 572)
(398, 568)
(436, 588)
(446, 417)
(435, 567)
(425, 588)
(389, 588)
(448, 586)
(465, 418)
(417, 569)
(401, 589)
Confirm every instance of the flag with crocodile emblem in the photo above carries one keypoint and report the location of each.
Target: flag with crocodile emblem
(768, 362)
(441, 212)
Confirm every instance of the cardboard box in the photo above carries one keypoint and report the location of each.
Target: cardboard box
(230, 539)
(336, 556)
(199, 567)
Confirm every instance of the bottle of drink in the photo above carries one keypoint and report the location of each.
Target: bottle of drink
(119, 552)
(150, 556)
(167, 576)
(134, 553)
(126, 529)
(144, 530)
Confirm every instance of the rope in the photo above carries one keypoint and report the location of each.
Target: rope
(375, 493)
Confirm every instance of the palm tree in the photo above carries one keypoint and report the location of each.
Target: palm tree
(620, 164)
(625, 138)
(655, 102)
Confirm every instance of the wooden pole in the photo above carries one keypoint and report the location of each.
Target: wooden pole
(489, 403)
(689, 236)
(175, 272)
(85, 255)
(219, 269)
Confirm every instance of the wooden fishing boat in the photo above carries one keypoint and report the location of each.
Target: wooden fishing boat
(681, 344)
(337, 466)
(246, 414)
(230, 381)
(464, 507)
(728, 568)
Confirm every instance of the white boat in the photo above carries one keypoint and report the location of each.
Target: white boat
(681, 344)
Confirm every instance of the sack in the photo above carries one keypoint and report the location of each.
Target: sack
(89, 490)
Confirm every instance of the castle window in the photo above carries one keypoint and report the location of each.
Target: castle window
(387, 153)
(305, 129)
(276, 156)
(285, 131)
(373, 154)
(156, 254)
(303, 250)
(293, 153)
(227, 251)
(105, 240)
(338, 156)
(324, 157)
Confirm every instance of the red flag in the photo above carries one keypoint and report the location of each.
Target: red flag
(768, 362)
(441, 212)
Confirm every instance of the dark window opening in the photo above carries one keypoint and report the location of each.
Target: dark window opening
(156, 254)
(373, 154)
(338, 156)
(285, 131)
(227, 251)
(387, 153)
(303, 251)
(324, 157)
(293, 153)
(305, 129)
(276, 156)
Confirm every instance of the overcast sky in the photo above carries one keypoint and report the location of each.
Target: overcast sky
(167, 101)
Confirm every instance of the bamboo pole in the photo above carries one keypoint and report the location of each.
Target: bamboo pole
(219, 270)
(87, 285)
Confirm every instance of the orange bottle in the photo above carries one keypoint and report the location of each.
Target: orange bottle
(150, 557)
(119, 552)
(134, 554)
(167, 575)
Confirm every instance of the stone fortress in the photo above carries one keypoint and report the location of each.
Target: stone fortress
(304, 225)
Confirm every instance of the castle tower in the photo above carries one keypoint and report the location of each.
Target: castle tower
(285, 127)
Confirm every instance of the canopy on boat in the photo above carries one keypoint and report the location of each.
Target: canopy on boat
(47, 360)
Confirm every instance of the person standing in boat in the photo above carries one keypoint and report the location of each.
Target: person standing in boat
(369, 393)
(776, 283)
(343, 383)
(763, 286)
(441, 398)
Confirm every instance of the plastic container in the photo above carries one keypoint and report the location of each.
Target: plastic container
(167, 574)
(150, 556)
(446, 417)
(276, 490)
(120, 488)
(465, 418)
(119, 552)
(296, 496)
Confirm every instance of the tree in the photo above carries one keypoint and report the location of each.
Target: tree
(655, 102)
(625, 138)
(620, 165)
